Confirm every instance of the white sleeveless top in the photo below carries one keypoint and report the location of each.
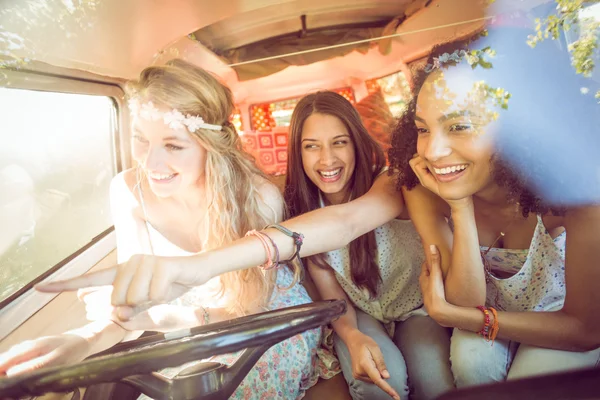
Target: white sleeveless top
(539, 282)
(206, 295)
(399, 256)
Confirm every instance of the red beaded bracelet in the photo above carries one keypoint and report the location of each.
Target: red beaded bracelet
(485, 332)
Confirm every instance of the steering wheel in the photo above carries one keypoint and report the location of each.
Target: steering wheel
(134, 362)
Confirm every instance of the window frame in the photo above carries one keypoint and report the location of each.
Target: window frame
(252, 127)
(22, 304)
(407, 76)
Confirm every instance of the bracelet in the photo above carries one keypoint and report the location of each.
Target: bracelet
(485, 331)
(269, 263)
(297, 237)
(205, 316)
(276, 262)
(495, 325)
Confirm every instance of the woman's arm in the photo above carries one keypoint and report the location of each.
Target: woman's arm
(324, 229)
(463, 269)
(576, 326)
(429, 213)
(67, 348)
(367, 360)
(555, 330)
(161, 279)
(461, 264)
(465, 282)
(76, 345)
(329, 288)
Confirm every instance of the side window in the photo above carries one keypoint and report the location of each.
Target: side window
(267, 116)
(57, 159)
(268, 138)
(395, 90)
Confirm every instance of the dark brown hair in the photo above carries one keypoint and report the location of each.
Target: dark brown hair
(301, 195)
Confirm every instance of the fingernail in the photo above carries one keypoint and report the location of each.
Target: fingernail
(40, 287)
(385, 374)
(433, 248)
(123, 314)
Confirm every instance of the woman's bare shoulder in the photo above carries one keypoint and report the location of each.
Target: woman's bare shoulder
(271, 196)
(123, 191)
(575, 217)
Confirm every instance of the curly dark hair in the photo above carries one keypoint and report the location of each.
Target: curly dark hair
(521, 163)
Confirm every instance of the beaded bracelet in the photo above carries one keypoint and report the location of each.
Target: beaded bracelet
(297, 237)
(486, 322)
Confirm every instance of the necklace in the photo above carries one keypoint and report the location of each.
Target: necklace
(486, 265)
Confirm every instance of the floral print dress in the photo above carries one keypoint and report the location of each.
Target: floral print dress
(538, 274)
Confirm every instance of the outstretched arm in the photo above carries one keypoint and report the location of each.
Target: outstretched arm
(335, 226)
(160, 279)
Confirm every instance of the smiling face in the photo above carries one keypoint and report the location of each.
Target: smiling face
(328, 155)
(455, 133)
(172, 159)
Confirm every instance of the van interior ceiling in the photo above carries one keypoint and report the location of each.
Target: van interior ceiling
(118, 39)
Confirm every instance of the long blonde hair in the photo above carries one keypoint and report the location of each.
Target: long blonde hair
(235, 205)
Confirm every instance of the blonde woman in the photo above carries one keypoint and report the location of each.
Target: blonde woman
(193, 190)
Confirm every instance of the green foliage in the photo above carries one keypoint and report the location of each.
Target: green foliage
(498, 96)
(478, 57)
(585, 49)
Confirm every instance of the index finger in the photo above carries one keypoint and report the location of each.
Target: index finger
(375, 376)
(93, 279)
(425, 268)
(83, 294)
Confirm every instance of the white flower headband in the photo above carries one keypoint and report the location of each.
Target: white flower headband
(174, 119)
(438, 62)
